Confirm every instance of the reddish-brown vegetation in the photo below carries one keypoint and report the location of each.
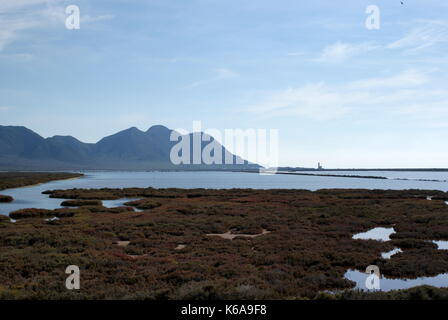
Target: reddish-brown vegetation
(30, 213)
(308, 249)
(6, 198)
(81, 203)
(21, 179)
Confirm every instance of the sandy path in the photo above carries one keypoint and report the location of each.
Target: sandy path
(230, 236)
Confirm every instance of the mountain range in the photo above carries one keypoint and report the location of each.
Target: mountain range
(130, 149)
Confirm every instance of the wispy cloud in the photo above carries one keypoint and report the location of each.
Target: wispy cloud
(398, 94)
(220, 74)
(223, 73)
(316, 101)
(10, 28)
(407, 78)
(427, 34)
(89, 19)
(11, 6)
(339, 52)
(4, 108)
(16, 17)
(295, 53)
(424, 34)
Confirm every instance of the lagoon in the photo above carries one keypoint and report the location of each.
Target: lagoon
(388, 284)
(32, 197)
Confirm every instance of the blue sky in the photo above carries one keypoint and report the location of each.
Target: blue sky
(338, 93)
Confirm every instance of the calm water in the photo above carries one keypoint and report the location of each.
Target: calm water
(412, 175)
(441, 245)
(119, 203)
(389, 254)
(380, 234)
(31, 196)
(387, 284)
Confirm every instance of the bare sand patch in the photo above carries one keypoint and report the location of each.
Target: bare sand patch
(122, 243)
(230, 236)
(136, 256)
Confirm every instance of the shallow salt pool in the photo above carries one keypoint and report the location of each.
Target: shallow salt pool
(389, 254)
(380, 234)
(387, 284)
(442, 245)
(120, 203)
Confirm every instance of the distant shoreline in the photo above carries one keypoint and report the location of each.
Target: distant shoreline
(15, 180)
(374, 169)
(332, 175)
(284, 169)
(297, 173)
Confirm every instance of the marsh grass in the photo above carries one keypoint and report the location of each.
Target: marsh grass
(308, 249)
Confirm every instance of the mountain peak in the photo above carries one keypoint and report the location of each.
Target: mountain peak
(130, 149)
(132, 129)
(157, 129)
(64, 139)
(126, 132)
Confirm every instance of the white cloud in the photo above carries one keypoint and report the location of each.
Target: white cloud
(89, 19)
(4, 108)
(220, 74)
(425, 35)
(8, 6)
(317, 101)
(19, 16)
(401, 94)
(17, 57)
(408, 78)
(9, 30)
(295, 54)
(223, 73)
(339, 52)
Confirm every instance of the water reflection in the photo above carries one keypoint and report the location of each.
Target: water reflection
(52, 219)
(380, 234)
(441, 245)
(387, 284)
(31, 197)
(388, 255)
(120, 203)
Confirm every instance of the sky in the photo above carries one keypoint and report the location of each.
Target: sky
(338, 92)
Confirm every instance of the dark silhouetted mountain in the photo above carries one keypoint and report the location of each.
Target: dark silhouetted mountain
(130, 149)
(19, 141)
(64, 148)
(130, 144)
